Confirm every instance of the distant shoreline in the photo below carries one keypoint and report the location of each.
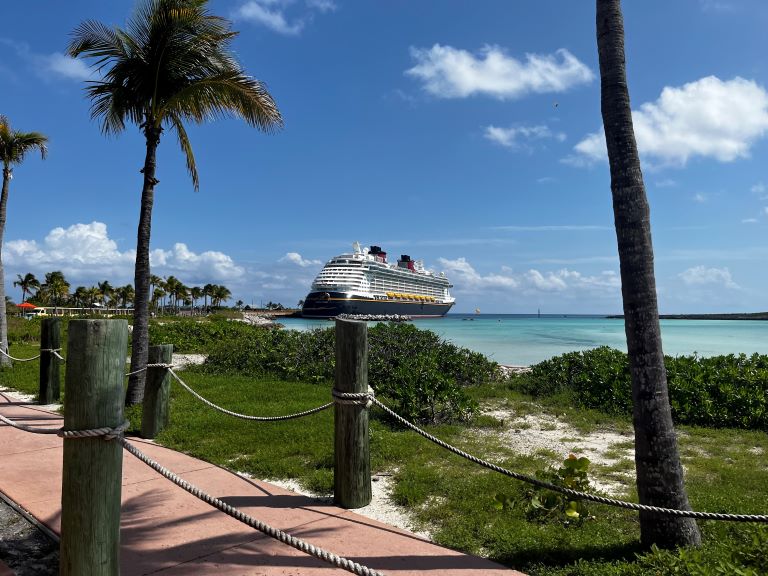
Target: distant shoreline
(736, 316)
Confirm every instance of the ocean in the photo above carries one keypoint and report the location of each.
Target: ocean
(520, 339)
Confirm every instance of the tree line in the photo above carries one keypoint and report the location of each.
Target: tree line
(167, 293)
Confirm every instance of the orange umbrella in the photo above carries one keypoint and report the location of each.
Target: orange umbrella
(25, 305)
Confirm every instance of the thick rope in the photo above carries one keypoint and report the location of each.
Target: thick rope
(353, 398)
(270, 531)
(55, 352)
(4, 353)
(105, 432)
(568, 491)
(244, 416)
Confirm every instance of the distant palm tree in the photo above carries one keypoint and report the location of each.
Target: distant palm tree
(220, 294)
(657, 460)
(126, 295)
(79, 298)
(28, 283)
(207, 293)
(106, 292)
(92, 295)
(14, 146)
(196, 293)
(171, 64)
(55, 288)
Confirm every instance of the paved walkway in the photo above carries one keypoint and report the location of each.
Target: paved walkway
(166, 531)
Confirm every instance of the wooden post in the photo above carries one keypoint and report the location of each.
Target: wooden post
(157, 392)
(50, 339)
(352, 462)
(92, 471)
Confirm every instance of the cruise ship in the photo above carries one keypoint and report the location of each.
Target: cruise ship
(363, 282)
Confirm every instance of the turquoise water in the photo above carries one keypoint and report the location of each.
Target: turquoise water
(525, 340)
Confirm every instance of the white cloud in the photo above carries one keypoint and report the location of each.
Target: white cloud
(448, 72)
(322, 5)
(195, 268)
(87, 254)
(708, 118)
(274, 14)
(269, 13)
(46, 65)
(464, 275)
(701, 275)
(511, 137)
(765, 210)
(749, 221)
(296, 258)
(700, 198)
(66, 67)
(666, 183)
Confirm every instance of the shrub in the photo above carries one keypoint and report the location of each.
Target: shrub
(722, 391)
(420, 373)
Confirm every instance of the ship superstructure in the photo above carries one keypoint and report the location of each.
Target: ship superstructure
(364, 282)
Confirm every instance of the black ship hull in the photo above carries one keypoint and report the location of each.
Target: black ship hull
(330, 304)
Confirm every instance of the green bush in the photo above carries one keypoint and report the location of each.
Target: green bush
(197, 336)
(418, 372)
(722, 391)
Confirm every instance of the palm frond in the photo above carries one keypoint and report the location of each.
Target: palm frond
(228, 93)
(186, 147)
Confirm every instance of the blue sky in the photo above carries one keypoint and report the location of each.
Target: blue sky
(467, 134)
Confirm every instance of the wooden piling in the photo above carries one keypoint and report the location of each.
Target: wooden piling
(92, 470)
(50, 339)
(157, 391)
(352, 462)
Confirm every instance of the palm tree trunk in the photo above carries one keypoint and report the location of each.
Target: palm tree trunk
(140, 334)
(659, 472)
(4, 360)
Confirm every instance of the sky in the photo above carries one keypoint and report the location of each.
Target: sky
(465, 134)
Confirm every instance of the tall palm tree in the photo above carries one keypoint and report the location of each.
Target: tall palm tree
(14, 146)
(171, 64)
(657, 461)
(27, 283)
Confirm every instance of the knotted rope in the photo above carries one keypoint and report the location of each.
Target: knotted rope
(567, 491)
(272, 532)
(105, 432)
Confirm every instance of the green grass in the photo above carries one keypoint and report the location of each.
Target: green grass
(727, 471)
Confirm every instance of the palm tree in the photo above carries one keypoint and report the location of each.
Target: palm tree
(55, 288)
(14, 146)
(207, 293)
(196, 293)
(79, 297)
(126, 295)
(220, 294)
(171, 64)
(92, 295)
(28, 283)
(106, 291)
(657, 461)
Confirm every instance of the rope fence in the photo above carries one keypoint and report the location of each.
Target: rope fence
(366, 399)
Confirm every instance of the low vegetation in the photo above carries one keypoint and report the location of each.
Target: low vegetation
(722, 391)
(271, 372)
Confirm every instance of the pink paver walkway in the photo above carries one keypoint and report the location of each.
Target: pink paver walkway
(166, 531)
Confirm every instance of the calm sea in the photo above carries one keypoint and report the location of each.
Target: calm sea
(528, 339)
